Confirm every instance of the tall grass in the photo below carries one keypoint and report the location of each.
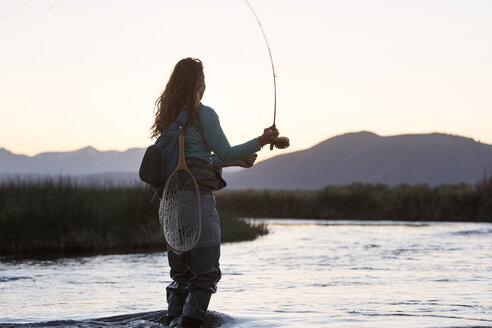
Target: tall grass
(55, 216)
(367, 201)
(60, 217)
(484, 190)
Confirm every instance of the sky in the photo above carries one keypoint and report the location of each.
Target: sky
(75, 73)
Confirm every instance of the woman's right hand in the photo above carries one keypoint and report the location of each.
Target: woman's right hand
(269, 136)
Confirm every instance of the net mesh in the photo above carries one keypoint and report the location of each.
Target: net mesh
(180, 212)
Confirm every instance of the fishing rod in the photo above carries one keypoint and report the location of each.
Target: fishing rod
(282, 142)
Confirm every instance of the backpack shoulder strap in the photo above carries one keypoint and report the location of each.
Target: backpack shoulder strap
(183, 117)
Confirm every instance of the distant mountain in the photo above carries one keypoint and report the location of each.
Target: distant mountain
(83, 161)
(353, 157)
(368, 158)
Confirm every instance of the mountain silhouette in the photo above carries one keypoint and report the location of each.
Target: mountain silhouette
(87, 160)
(352, 157)
(366, 157)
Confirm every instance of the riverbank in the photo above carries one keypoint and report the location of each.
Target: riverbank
(461, 203)
(53, 217)
(57, 217)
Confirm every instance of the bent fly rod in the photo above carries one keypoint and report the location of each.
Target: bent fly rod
(282, 142)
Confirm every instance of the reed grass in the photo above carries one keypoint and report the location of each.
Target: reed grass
(460, 202)
(55, 216)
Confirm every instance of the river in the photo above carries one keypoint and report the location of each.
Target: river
(302, 274)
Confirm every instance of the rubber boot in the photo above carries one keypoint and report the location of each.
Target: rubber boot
(196, 305)
(176, 298)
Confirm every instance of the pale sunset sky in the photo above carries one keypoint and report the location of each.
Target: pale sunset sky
(75, 73)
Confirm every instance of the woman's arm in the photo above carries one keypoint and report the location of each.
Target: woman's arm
(246, 162)
(217, 141)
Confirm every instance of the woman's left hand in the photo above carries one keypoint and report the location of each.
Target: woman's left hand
(247, 162)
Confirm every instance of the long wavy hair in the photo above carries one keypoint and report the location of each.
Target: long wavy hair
(184, 90)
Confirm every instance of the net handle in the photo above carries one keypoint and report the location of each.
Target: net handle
(181, 160)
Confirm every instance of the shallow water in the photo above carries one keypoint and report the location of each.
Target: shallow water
(303, 274)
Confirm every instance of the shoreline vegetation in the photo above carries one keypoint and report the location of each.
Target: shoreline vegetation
(459, 203)
(55, 217)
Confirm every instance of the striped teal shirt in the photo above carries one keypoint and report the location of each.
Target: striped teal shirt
(200, 143)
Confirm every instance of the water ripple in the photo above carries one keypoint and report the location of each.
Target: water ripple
(8, 279)
(338, 274)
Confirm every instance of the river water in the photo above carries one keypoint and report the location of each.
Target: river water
(303, 274)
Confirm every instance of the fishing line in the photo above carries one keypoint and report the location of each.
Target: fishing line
(282, 142)
(29, 22)
(16, 8)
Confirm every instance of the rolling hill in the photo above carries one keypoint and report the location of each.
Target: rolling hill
(369, 158)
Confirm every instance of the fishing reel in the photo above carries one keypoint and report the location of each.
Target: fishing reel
(281, 143)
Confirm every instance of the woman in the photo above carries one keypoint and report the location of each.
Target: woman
(195, 273)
